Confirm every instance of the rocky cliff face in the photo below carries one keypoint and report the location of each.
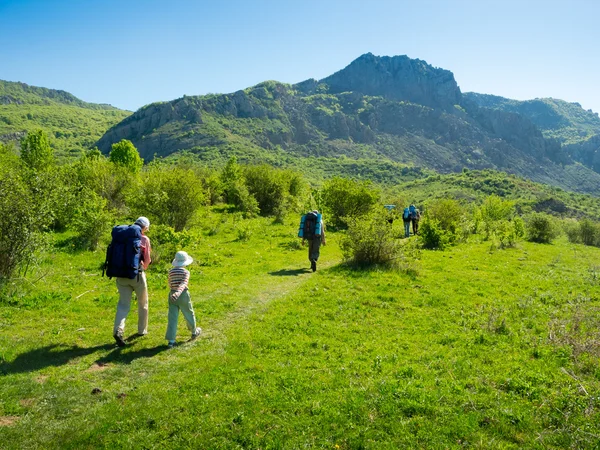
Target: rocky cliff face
(377, 108)
(397, 78)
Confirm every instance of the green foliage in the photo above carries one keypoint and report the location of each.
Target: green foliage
(166, 242)
(540, 228)
(589, 232)
(114, 183)
(448, 213)
(124, 153)
(35, 151)
(370, 241)
(344, 199)
(21, 219)
(169, 195)
(276, 191)
(235, 189)
(432, 236)
(91, 220)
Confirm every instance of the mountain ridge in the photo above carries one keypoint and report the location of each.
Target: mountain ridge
(390, 108)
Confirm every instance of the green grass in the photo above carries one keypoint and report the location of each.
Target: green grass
(474, 347)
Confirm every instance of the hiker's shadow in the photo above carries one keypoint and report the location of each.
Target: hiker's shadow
(289, 272)
(49, 356)
(120, 355)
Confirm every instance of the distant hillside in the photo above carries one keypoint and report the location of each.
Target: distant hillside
(473, 186)
(377, 109)
(72, 124)
(567, 122)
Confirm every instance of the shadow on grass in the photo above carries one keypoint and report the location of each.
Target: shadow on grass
(290, 272)
(49, 356)
(121, 356)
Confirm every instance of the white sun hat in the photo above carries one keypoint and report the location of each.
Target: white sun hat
(182, 259)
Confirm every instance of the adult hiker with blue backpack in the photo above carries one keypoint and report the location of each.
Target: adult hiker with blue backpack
(406, 219)
(127, 258)
(312, 229)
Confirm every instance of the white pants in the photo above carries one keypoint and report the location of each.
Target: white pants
(126, 289)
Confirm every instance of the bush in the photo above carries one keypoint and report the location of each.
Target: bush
(589, 232)
(90, 220)
(125, 154)
(370, 241)
(21, 220)
(448, 212)
(274, 189)
(344, 199)
(36, 152)
(540, 228)
(169, 195)
(166, 242)
(235, 189)
(432, 236)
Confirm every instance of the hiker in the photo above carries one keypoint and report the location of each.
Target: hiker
(312, 229)
(179, 298)
(406, 218)
(415, 221)
(134, 279)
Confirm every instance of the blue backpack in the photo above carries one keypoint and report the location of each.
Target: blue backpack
(310, 225)
(413, 211)
(406, 214)
(124, 254)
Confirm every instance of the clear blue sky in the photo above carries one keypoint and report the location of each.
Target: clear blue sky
(132, 52)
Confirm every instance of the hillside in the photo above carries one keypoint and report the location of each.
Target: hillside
(72, 124)
(567, 122)
(472, 187)
(377, 109)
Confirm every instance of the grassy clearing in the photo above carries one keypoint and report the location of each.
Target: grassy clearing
(472, 349)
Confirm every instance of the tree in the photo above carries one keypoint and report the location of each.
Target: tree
(170, 194)
(344, 198)
(125, 154)
(36, 152)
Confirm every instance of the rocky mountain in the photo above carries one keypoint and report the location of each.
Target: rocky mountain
(392, 109)
(72, 124)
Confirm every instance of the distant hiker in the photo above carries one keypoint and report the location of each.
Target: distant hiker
(127, 258)
(416, 216)
(179, 298)
(406, 218)
(312, 229)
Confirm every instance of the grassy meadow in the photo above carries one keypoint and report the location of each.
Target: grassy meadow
(470, 347)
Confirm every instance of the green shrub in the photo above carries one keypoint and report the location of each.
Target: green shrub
(589, 232)
(540, 228)
(22, 219)
(432, 236)
(169, 195)
(124, 154)
(90, 220)
(36, 152)
(344, 199)
(572, 230)
(274, 189)
(448, 212)
(370, 241)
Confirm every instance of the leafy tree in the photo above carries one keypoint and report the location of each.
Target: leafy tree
(540, 228)
(448, 212)
(344, 198)
(235, 189)
(125, 154)
(36, 152)
(21, 219)
(171, 195)
(370, 240)
(91, 220)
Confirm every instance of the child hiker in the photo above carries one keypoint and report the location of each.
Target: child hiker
(179, 298)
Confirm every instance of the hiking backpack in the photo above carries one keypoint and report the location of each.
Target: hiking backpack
(310, 226)
(124, 254)
(406, 214)
(413, 211)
